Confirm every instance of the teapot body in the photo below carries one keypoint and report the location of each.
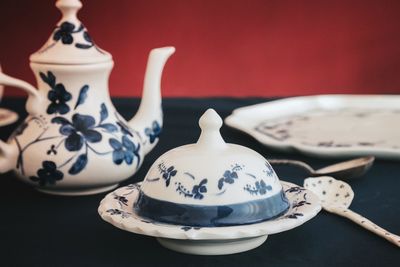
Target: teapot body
(76, 143)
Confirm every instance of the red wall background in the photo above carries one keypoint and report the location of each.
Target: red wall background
(227, 47)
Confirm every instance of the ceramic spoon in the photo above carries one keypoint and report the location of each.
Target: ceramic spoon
(336, 197)
(343, 170)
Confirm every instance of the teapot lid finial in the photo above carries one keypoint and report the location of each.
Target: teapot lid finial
(210, 123)
(69, 9)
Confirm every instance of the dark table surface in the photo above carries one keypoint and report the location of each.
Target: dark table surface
(43, 230)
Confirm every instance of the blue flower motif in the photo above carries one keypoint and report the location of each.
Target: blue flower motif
(124, 151)
(260, 187)
(58, 97)
(80, 130)
(154, 132)
(167, 173)
(48, 174)
(228, 177)
(64, 33)
(199, 189)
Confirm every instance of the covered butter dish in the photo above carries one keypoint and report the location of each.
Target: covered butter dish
(211, 183)
(210, 198)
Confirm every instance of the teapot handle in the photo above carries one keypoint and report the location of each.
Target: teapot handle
(35, 100)
(8, 156)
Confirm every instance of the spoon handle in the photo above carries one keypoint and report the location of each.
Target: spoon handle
(367, 224)
(296, 163)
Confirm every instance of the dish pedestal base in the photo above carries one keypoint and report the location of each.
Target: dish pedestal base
(77, 192)
(212, 247)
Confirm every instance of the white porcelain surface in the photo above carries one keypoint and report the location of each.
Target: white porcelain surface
(326, 125)
(117, 208)
(213, 247)
(74, 142)
(229, 172)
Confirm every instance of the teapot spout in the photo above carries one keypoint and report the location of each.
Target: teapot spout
(148, 120)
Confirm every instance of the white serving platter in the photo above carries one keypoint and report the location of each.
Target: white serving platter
(325, 125)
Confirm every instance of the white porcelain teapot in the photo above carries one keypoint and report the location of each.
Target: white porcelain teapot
(74, 142)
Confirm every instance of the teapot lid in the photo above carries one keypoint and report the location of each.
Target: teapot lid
(211, 183)
(70, 42)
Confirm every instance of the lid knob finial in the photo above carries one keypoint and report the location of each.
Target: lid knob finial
(210, 120)
(210, 123)
(69, 9)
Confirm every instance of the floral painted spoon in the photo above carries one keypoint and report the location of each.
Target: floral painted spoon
(344, 170)
(336, 197)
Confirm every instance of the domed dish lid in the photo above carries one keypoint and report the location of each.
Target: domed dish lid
(211, 183)
(70, 42)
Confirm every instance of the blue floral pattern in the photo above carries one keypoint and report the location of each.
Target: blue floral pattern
(48, 174)
(122, 200)
(57, 95)
(79, 131)
(167, 173)
(153, 132)
(229, 176)
(122, 213)
(197, 191)
(200, 189)
(260, 187)
(64, 32)
(298, 203)
(270, 171)
(125, 150)
(82, 95)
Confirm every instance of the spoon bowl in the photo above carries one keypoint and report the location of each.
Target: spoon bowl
(332, 193)
(347, 169)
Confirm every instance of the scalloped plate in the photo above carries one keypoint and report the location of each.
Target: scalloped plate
(325, 125)
(117, 209)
